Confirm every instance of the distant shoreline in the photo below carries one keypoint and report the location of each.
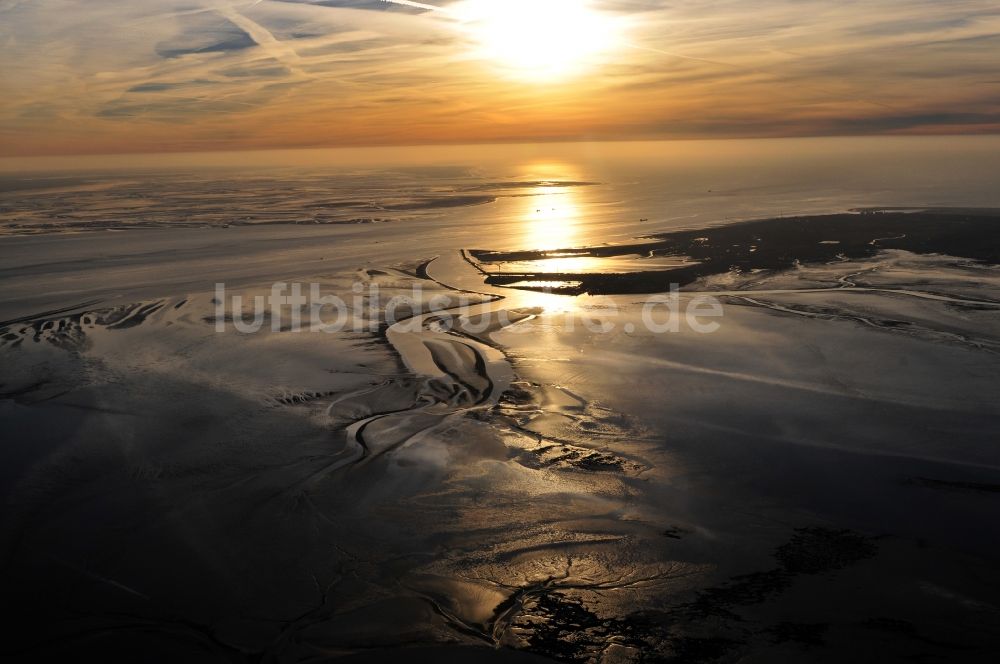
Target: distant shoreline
(771, 244)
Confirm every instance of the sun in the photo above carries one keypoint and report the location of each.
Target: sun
(539, 40)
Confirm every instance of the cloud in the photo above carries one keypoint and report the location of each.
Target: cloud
(204, 33)
(219, 74)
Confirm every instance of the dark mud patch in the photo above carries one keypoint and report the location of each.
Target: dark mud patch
(811, 550)
(567, 623)
(560, 626)
(764, 245)
(739, 591)
(70, 332)
(676, 532)
(302, 398)
(563, 628)
(817, 550)
(570, 457)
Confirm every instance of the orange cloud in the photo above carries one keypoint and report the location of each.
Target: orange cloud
(172, 75)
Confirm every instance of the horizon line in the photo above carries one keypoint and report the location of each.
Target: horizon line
(83, 155)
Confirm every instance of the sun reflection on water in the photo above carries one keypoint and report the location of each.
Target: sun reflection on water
(552, 219)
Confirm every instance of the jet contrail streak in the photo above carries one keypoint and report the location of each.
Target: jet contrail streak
(418, 5)
(754, 70)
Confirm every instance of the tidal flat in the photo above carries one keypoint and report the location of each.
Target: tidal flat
(489, 470)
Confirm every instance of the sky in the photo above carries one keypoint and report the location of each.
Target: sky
(105, 76)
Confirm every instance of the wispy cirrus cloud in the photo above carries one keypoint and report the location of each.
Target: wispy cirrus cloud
(210, 74)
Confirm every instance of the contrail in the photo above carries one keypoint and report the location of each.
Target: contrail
(417, 5)
(267, 42)
(717, 63)
(755, 70)
(672, 54)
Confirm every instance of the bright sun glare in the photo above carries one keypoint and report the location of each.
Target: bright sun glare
(538, 39)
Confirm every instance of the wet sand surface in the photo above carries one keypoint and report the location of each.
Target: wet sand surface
(815, 481)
